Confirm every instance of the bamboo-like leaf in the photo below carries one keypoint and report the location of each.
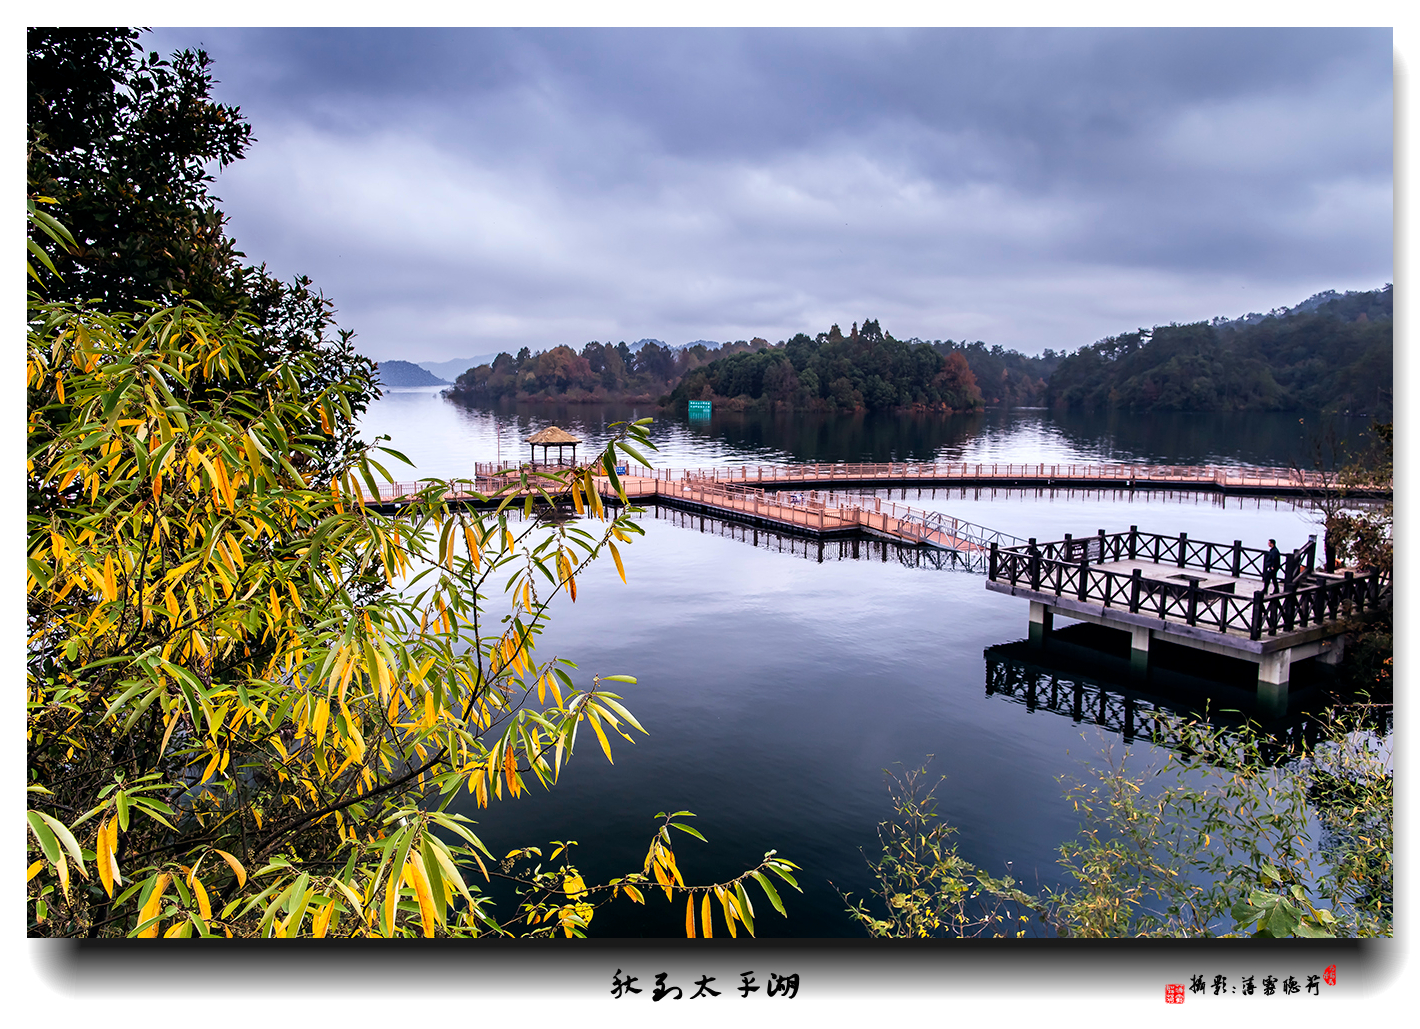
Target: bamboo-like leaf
(616, 556)
(149, 912)
(237, 869)
(597, 728)
(770, 892)
(415, 870)
(47, 843)
(690, 917)
(321, 923)
(705, 923)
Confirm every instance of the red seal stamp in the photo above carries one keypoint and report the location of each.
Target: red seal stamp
(1330, 977)
(1173, 993)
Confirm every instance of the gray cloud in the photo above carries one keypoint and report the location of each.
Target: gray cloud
(461, 191)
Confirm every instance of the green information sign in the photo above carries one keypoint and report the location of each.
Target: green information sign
(700, 409)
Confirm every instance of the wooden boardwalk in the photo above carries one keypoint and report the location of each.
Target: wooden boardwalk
(1210, 478)
(790, 498)
(1240, 480)
(809, 513)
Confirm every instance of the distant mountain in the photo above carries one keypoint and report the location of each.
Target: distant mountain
(402, 373)
(451, 370)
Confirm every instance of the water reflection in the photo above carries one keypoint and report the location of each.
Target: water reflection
(809, 547)
(1083, 674)
(444, 437)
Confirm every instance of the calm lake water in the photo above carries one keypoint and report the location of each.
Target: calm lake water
(779, 679)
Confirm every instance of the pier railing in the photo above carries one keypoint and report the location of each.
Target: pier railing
(812, 511)
(1041, 471)
(1007, 474)
(1068, 568)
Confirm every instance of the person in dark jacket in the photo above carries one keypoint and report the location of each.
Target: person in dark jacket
(1271, 565)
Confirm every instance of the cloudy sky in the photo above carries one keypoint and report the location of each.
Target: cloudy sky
(458, 192)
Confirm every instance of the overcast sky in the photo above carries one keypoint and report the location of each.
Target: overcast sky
(463, 191)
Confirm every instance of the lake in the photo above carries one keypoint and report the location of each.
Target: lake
(778, 679)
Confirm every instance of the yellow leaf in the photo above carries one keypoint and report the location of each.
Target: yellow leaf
(154, 905)
(203, 904)
(391, 905)
(321, 719)
(33, 870)
(616, 556)
(420, 881)
(103, 856)
(690, 917)
(510, 768)
(597, 727)
(237, 869)
(322, 921)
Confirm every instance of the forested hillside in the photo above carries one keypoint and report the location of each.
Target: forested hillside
(600, 372)
(1332, 352)
(1334, 356)
(867, 369)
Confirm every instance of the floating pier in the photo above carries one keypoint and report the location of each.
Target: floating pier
(1197, 594)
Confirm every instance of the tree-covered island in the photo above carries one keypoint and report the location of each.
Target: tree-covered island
(1331, 353)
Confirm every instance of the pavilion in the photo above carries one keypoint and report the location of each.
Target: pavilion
(552, 436)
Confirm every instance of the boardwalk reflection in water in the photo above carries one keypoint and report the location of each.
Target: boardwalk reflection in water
(811, 548)
(1081, 679)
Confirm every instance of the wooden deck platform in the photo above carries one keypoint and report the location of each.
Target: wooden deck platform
(1198, 594)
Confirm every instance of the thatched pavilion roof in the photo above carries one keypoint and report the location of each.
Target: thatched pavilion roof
(552, 435)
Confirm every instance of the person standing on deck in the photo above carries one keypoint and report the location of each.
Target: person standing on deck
(1271, 564)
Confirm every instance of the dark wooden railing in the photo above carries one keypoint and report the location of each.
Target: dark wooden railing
(1068, 568)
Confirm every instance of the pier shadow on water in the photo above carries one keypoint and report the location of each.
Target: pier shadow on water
(808, 547)
(1083, 673)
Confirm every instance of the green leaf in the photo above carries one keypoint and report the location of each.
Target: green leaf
(628, 448)
(686, 828)
(47, 842)
(618, 678)
(781, 873)
(746, 908)
(770, 892)
(62, 833)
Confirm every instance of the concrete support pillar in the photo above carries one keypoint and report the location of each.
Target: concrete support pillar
(1275, 668)
(1139, 651)
(1274, 672)
(1042, 621)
